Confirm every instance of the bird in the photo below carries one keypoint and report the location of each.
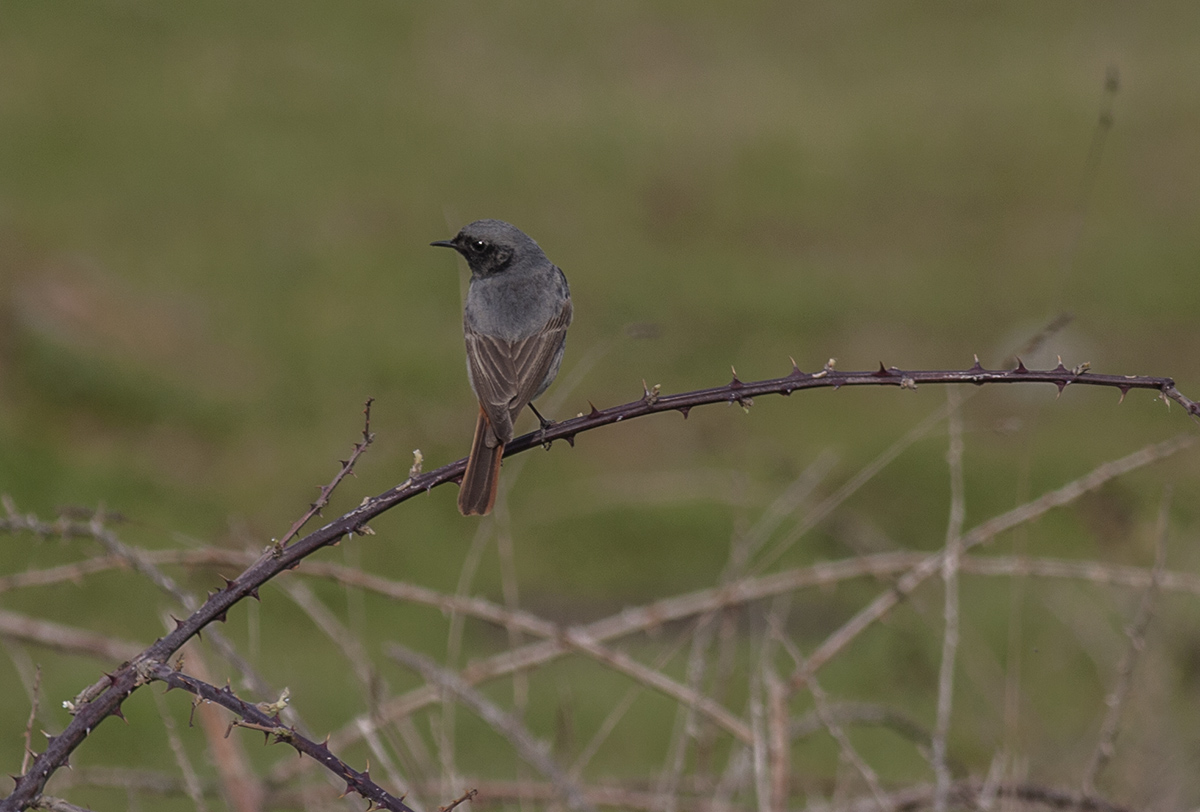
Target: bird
(515, 321)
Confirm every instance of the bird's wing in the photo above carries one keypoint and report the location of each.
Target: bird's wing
(507, 374)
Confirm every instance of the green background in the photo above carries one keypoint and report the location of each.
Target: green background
(214, 222)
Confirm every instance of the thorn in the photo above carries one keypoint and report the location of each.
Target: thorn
(1061, 386)
(795, 373)
(1060, 367)
(594, 412)
(120, 714)
(683, 410)
(224, 616)
(1021, 366)
(978, 367)
(254, 594)
(178, 623)
(881, 372)
(570, 438)
(228, 582)
(735, 383)
(1124, 392)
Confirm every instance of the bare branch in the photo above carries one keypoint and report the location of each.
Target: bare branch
(53, 804)
(240, 787)
(347, 468)
(267, 721)
(466, 796)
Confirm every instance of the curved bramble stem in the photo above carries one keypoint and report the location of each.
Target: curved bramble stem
(105, 697)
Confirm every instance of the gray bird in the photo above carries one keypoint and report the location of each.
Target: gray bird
(515, 323)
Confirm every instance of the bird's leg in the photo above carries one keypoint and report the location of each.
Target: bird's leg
(545, 424)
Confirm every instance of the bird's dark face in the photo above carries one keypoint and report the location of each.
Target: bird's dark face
(489, 246)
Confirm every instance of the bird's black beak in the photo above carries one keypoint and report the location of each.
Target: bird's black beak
(445, 244)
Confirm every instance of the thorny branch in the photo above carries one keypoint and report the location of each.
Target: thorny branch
(267, 721)
(104, 699)
(347, 469)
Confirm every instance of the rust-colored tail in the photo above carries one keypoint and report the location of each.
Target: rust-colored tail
(477, 493)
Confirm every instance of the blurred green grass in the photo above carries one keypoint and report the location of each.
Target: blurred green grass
(213, 231)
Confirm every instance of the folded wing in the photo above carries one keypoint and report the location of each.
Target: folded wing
(507, 375)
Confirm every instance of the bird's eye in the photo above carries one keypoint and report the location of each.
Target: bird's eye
(479, 246)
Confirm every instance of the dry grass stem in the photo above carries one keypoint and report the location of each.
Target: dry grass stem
(191, 781)
(619, 661)
(950, 561)
(532, 751)
(65, 638)
(778, 740)
(619, 710)
(981, 534)
(34, 701)
(1115, 701)
(831, 723)
(240, 787)
(849, 488)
